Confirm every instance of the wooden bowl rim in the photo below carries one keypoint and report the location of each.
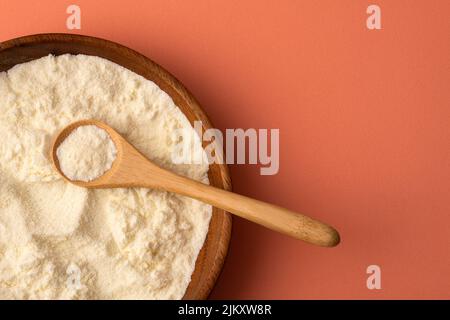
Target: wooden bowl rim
(205, 284)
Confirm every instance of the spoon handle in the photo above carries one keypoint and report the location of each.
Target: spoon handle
(273, 217)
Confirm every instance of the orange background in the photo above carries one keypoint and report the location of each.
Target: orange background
(364, 127)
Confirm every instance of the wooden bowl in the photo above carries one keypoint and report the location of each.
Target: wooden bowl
(212, 255)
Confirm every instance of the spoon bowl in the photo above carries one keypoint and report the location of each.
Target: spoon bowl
(101, 181)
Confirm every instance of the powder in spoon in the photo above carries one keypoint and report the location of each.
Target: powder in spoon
(86, 154)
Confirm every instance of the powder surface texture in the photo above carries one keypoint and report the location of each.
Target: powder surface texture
(86, 153)
(60, 241)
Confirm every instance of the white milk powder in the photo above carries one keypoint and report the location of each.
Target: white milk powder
(86, 153)
(59, 241)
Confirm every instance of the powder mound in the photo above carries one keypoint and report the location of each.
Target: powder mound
(60, 241)
(86, 154)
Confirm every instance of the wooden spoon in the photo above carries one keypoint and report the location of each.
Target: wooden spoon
(132, 169)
